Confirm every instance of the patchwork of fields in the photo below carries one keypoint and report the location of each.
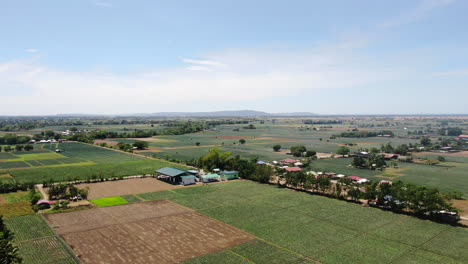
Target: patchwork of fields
(295, 227)
(77, 161)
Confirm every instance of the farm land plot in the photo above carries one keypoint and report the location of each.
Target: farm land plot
(146, 232)
(313, 228)
(37, 242)
(125, 187)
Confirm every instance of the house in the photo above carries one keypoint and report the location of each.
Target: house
(292, 169)
(261, 162)
(210, 177)
(288, 161)
(385, 182)
(229, 175)
(463, 137)
(175, 176)
(355, 178)
(389, 156)
(298, 164)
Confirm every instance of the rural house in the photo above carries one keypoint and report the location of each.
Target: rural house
(229, 175)
(288, 161)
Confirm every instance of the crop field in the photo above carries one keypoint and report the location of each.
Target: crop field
(16, 209)
(78, 161)
(109, 201)
(125, 187)
(296, 227)
(37, 242)
(146, 232)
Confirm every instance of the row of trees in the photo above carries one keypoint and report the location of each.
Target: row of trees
(17, 148)
(14, 187)
(371, 162)
(398, 197)
(364, 134)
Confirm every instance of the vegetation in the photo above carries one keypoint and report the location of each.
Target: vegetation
(291, 225)
(8, 252)
(109, 201)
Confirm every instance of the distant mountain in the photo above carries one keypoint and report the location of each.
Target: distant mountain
(235, 113)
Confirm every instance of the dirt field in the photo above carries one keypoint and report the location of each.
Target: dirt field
(462, 154)
(124, 187)
(148, 232)
(107, 141)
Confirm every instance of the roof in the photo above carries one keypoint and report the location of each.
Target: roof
(261, 162)
(355, 178)
(289, 160)
(293, 169)
(171, 171)
(187, 177)
(192, 171)
(45, 202)
(463, 136)
(212, 175)
(230, 172)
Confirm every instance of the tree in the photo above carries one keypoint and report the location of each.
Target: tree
(215, 159)
(197, 143)
(139, 144)
(263, 173)
(19, 147)
(343, 151)
(242, 141)
(441, 158)
(28, 147)
(8, 252)
(310, 153)
(276, 147)
(425, 141)
(297, 151)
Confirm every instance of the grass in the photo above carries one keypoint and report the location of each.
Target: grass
(15, 197)
(83, 171)
(37, 242)
(16, 209)
(131, 198)
(6, 178)
(109, 201)
(296, 227)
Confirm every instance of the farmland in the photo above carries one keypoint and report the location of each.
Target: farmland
(37, 242)
(145, 232)
(78, 161)
(302, 228)
(289, 132)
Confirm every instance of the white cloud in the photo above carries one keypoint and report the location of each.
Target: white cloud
(32, 50)
(418, 13)
(239, 76)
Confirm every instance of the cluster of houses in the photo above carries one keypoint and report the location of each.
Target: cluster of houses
(187, 177)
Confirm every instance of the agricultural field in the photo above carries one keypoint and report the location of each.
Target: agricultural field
(77, 161)
(37, 242)
(289, 132)
(109, 201)
(146, 232)
(124, 187)
(296, 227)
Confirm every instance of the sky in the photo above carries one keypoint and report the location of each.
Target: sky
(147, 56)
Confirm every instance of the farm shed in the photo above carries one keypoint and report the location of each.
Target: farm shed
(210, 177)
(230, 175)
(187, 179)
(173, 175)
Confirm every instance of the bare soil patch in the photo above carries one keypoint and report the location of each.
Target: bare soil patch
(463, 154)
(107, 141)
(154, 140)
(229, 137)
(277, 139)
(125, 187)
(145, 232)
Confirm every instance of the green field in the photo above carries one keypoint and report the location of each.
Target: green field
(109, 201)
(37, 242)
(78, 161)
(296, 227)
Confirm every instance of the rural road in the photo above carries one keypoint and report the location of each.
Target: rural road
(42, 191)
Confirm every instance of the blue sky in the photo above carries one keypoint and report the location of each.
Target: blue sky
(327, 57)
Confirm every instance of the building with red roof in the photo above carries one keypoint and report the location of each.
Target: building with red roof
(292, 169)
(355, 178)
(288, 161)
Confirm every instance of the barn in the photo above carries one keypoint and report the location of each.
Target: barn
(175, 176)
